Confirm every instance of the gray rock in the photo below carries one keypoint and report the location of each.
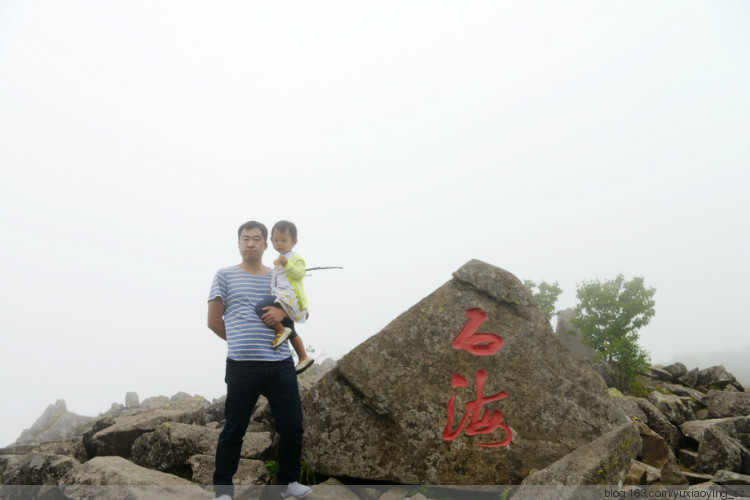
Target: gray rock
(115, 410)
(727, 404)
(688, 458)
(690, 379)
(717, 377)
(642, 474)
(395, 493)
(39, 468)
(677, 370)
(719, 451)
(628, 404)
(117, 438)
(382, 414)
(171, 445)
(333, 489)
(604, 461)
(656, 452)
(732, 426)
(154, 402)
(672, 407)
(71, 448)
(697, 478)
(251, 475)
(729, 477)
(181, 396)
(660, 424)
(115, 478)
(55, 424)
(659, 374)
(684, 392)
(571, 336)
(132, 401)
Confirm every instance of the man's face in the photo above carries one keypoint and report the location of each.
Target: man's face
(251, 244)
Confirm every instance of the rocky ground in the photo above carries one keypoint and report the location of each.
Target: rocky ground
(374, 425)
(694, 427)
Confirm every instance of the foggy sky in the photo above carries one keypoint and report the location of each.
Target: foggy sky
(560, 141)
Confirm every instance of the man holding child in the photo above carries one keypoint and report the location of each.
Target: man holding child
(254, 366)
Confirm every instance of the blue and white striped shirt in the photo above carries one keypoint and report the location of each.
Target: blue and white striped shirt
(248, 338)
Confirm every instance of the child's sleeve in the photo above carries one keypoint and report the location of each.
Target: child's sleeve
(295, 268)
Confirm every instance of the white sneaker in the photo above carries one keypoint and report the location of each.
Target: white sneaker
(304, 365)
(281, 337)
(296, 490)
(223, 497)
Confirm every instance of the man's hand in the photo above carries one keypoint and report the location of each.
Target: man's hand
(273, 316)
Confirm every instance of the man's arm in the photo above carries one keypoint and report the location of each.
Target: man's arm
(273, 316)
(216, 317)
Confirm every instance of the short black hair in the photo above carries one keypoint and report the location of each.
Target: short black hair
(253, 224)
(283, 226)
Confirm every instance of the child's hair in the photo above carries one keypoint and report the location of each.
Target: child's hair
(283, 226)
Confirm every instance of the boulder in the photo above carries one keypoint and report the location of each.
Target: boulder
(642, 474)
(729, 477)
(628, 404)
(55, 424)
(672, 407)
(71, 447)
(154, 402)
(116, 435)
(690, 379)
(693, 395)
(727, 404)
(181, 396)
(571, 336)
(470, 385)
(718, 377)
(115, 478)
(249, 480)
(333, 489)
(656, 453)
(604, 461)
(171, 445)
(677, 370)
(660, 424)
(719, 451)
(735, 427)
(687, 458)
(132, 401)
(39, 468)
(697, 478)
(660, 374)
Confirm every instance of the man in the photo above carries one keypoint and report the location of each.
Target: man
(254, 367)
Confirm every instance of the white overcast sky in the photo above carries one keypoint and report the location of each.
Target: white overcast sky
(562, 141)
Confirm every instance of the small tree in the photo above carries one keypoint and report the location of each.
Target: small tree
(546, 295)
(609, 315)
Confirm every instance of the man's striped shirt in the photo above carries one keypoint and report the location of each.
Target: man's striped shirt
(248, 338)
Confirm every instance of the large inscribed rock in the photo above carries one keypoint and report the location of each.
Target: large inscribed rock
(469, 386)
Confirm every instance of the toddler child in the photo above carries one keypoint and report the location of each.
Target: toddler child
(287, 291)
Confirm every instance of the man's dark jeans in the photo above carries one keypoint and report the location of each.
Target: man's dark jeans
(246, 380)
(270, 300)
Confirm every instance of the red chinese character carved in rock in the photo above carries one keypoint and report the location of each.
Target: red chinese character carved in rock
(490, 420)
(480, 344)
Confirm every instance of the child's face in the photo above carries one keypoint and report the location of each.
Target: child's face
(282, 242)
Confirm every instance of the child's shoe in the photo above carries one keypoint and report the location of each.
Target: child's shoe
(304, 365)
(281, 337)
